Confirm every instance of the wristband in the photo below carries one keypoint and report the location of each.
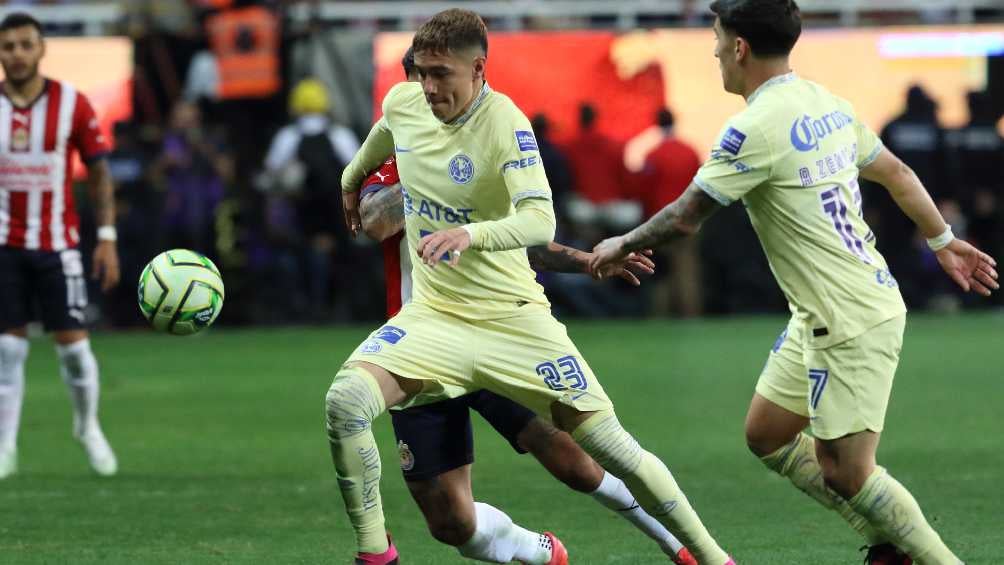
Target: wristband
(107, 233)
(940, 242)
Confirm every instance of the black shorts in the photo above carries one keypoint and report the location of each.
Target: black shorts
(48, 283)
(436, 438)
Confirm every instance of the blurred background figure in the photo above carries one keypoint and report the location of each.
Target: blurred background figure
(667, 171)
(304, 168)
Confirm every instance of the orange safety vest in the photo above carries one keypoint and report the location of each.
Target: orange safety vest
(246, 44)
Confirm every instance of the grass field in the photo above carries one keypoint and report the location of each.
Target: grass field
(224, 459)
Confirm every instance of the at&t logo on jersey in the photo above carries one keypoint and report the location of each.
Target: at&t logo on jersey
(807, 131)
(461, 169)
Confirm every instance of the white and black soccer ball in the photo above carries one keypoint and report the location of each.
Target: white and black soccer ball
(180, 292)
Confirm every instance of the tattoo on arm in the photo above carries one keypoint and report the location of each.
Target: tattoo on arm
(681, 218)
(382, 212)
(102, 191)
(557, 258)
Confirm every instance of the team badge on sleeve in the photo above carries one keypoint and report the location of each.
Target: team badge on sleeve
(733, 140)
(526, 140)
(461, 169)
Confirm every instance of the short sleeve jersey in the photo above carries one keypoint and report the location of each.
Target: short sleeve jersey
(793, 157)
(475, 168)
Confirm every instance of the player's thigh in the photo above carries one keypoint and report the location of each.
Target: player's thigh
(15, 290)
(433, 439)
(782, 382)
(506, 416)
(422, 344)
(61, 289)
(850, 383)
(530, 359)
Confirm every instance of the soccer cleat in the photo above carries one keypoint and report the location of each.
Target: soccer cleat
(730, 561)
(8, 462)
(99, 452)
(559, 555)
(388, 557)
(886, 554)
(684, 557)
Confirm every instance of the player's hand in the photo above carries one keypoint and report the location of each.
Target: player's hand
(434, 245)
(106, 265)
(970, 268)
(350, 205)
(634, 266)
(608, 252)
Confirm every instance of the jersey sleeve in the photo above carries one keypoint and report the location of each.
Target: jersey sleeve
(740, 161)
(86, 135)
(381, 178)
(517, 158)
(869, 144)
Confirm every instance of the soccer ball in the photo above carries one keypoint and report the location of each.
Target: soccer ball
(180, 292)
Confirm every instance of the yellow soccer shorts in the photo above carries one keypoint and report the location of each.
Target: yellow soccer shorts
(842, 389)
(526, 357)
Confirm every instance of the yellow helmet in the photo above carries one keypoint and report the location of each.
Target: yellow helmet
(309, 96)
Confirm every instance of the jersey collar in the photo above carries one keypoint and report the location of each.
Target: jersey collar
(779, 79)
(461, 120)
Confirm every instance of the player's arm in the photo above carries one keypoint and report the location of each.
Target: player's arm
(559, 258)
(378, 144)
(102, 193)
(382, 212)
(969, 267)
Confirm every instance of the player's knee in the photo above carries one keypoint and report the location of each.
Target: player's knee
(846, 478)
(761, 442)
(452, 529)
(352, 403)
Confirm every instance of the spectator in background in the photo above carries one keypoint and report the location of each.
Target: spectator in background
(601, 200)
(918, 139)
(194, 168)
(668, 169)
(305, 161)
(978, 173)
(559, 176)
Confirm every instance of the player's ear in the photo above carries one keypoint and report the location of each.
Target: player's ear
(741, 49)
(480, 66)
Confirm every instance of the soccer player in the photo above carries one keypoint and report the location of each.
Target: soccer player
(794, 156)
(474, 186)
(42, 122)
(435, 441)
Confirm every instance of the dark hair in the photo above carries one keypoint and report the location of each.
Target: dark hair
(771, 27)
(665, 118)
(20, 19)
(408, 61)
(587, 115)
(540, 124)
(452, 30)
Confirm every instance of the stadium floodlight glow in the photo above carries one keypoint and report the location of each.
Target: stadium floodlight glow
(941, 44)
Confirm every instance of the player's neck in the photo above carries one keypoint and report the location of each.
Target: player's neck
(475, 94)
(762, 72)
(26, 92)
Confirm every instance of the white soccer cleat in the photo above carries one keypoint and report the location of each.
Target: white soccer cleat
(99, 452)
(8, 462)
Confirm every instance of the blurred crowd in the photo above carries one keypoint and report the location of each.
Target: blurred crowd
(234, 156)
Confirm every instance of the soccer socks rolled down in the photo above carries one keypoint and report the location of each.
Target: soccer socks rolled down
(614, 494)
(651, 483)
(797, 461)
(353, 401)
(79, 369)
(894, 512)
(13, 353)
(497, 539)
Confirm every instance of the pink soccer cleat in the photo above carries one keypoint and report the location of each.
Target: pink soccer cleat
(730, 561)
(388, 557)
(886, 554)
(684, 558)
(559, 555)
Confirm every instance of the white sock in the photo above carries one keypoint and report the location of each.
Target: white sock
(614, 494)
(497, 539)
(80, 373)
(13, 353)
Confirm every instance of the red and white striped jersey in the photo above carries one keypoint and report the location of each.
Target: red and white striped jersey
(36, 160)
(396, 260)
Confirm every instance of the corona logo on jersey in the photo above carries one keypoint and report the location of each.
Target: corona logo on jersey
(807, 131)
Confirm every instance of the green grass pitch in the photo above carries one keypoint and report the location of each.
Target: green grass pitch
(224, 459)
